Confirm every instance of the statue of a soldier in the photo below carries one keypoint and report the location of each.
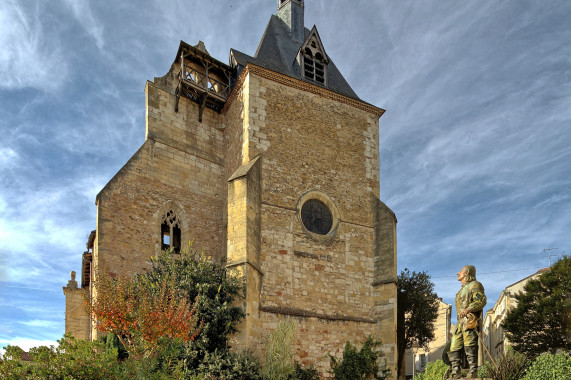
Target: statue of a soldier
(469, 300)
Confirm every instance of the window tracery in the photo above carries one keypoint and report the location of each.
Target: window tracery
(170, 231)
(314, 62)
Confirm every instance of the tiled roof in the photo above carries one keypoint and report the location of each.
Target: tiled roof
(277, 51)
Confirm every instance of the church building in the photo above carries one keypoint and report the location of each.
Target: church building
(272, 162)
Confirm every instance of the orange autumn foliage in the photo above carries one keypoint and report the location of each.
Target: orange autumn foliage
(140, 317)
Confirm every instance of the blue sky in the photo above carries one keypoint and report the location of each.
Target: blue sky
(475, 143)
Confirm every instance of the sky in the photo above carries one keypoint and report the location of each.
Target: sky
(474, 146)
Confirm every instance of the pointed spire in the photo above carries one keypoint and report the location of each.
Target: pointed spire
(291, 12)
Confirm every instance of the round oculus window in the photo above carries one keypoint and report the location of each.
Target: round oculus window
(316, 217)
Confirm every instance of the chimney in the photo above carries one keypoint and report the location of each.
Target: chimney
(291, 12)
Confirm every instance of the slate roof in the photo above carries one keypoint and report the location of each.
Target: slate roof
(277, 51)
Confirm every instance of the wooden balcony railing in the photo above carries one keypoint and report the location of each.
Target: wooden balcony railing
(199, 80)
(202, 81)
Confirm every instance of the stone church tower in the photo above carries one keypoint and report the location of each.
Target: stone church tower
(271, 161)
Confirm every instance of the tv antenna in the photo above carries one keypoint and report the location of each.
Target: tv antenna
(547, 253)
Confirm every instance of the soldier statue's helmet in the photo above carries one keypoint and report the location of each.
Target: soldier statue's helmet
(470, 272)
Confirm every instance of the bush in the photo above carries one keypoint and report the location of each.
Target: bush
(163, 363)
(148, 368)
(229, 366)
(307, 373)
(359, 364)
(11, 364)
(511, 366)
(550, 366)
(434, 371)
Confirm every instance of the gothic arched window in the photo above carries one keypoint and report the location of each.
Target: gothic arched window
(314, 61)
(170, 231)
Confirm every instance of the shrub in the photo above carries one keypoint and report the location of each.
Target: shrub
(511, 366)
(71, 359)
(359, 364)
(11, 365)
(550, 366)
(229, 365)
(434, 371)
(305, 373)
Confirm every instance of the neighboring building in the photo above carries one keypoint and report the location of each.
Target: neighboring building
(493, 332)
(416, 357)
(271, 162)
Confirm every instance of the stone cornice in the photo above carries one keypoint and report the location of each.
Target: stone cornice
(250, 68)
(310, 314)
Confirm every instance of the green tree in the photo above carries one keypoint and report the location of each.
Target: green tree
(538, 323)
(417, 309)
(200, 278)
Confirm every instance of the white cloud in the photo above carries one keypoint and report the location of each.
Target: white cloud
(32, 222)
(8, 157)
(41, 323)
(82, 11)
(25, 343)
(28, 59)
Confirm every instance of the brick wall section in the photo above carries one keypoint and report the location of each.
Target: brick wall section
(255, 104)
(385, 274)
(332, 278)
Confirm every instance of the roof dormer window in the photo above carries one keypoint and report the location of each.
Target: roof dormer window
(313, 67)
(313, 59)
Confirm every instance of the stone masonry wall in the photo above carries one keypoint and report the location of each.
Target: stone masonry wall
(180, 166)
(243, 247)
(332, 285)
(317, 338)
(76, 316)
(310, 142)
(234, 119)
